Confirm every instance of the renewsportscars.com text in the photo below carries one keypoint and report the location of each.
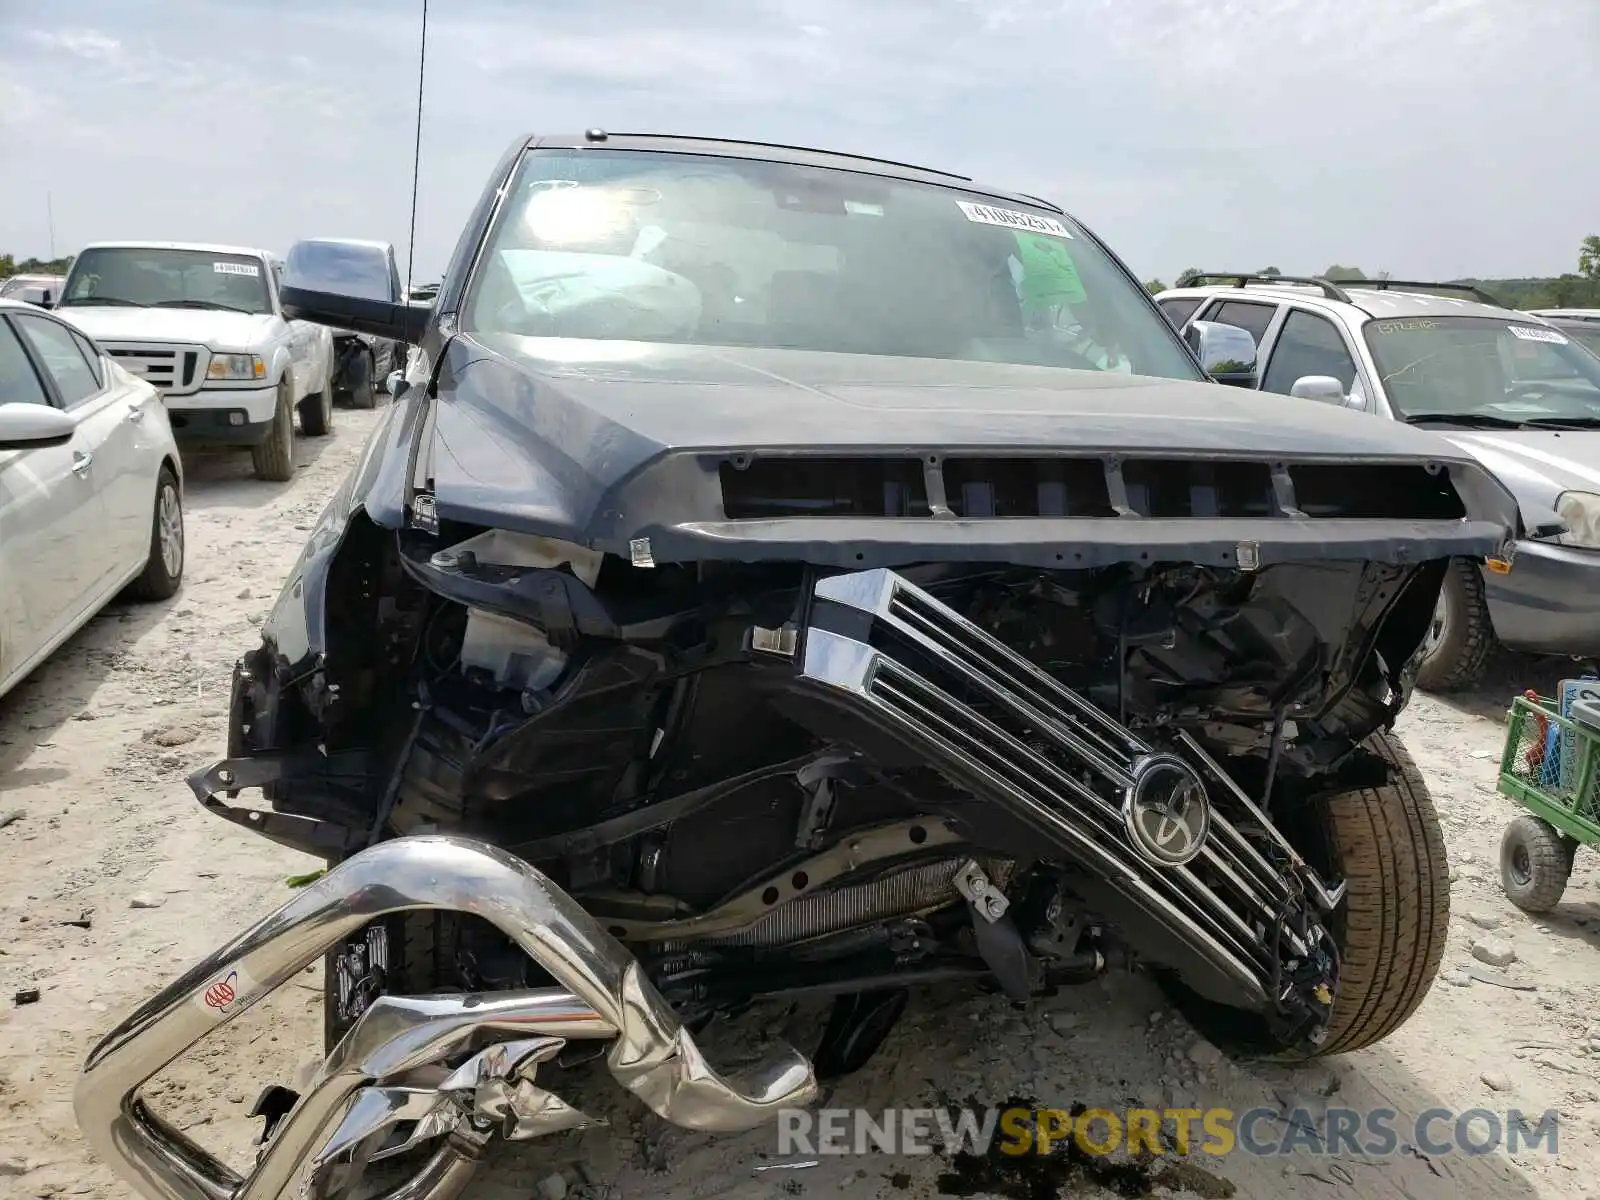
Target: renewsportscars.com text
(1371, 1133)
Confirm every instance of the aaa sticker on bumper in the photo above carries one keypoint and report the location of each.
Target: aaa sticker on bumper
(227, 993)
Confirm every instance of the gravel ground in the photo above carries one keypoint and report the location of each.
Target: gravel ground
(113, 880)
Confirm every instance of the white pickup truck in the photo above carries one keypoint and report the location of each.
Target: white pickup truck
(205, 326)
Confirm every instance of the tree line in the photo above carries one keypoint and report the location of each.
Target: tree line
(9, 266)
(1574, 289)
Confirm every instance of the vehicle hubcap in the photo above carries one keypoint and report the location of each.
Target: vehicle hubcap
(169, 530)
(1521, 866)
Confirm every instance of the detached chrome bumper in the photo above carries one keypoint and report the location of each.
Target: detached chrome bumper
(390, 1067)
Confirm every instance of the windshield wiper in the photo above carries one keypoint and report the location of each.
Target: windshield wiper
(99, 300)
(1562, 423)
(1489, 421)
(1465, 420)
(208, 304)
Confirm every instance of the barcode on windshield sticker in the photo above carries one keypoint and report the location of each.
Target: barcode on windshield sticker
(1010, 218)
(1529, 334)
(237, 269)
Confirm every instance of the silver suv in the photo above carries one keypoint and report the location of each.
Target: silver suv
(1513, 389)
(1582, 325)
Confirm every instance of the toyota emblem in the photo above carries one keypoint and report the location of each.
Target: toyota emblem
(1167, 811)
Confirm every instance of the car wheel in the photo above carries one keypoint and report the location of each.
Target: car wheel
(1461, 636)
(274, 458)
(1535, 864)
(1392, 925)
(362, 391)
(316, 412)
(163, 569)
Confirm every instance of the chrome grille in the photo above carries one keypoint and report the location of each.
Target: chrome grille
(989, 718)
(174, 370)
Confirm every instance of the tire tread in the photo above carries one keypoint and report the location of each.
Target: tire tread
(272, 462)
(1391, 850)
(1467, 650)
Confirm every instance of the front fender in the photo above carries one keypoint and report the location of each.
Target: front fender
(325, 356)
(375, 490)
(280, 363)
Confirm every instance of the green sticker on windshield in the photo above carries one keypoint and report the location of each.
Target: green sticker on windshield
(1049, 276)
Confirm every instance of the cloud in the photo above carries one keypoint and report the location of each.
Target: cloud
(21, 105)
(81, 43)
(1439, 137)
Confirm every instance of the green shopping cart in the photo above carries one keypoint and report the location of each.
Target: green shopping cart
(1550, 766)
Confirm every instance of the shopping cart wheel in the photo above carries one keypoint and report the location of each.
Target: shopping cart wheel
(1535, 863)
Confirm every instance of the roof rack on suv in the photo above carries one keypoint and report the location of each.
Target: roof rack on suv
(1385, 285)
(1239, 278)
(598, 135)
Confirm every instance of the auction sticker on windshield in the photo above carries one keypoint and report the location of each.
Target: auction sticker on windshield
(226, 268)
(1049, 276)
(1537, 335)
(1010, 218)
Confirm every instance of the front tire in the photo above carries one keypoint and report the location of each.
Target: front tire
(163, 570)
(273, 459)
(316, 411)
(1461, 636)
(362, 391)
(1386, 844)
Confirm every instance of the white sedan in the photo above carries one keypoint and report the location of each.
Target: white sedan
(91, 487)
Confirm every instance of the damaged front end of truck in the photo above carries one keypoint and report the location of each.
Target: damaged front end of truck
(623, 684)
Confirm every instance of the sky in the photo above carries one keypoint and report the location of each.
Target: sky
(1429, 138)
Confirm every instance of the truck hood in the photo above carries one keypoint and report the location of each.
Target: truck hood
(1538, 465)
(710, 398)
(194, 326)
(592, 440)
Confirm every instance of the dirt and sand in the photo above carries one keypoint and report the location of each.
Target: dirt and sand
(112, 880)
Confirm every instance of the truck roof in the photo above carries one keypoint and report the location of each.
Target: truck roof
(344, 241)
(601, 139)
(202, 247)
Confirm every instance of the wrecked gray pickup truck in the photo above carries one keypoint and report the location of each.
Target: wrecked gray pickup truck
(352, 267)
(787, 572)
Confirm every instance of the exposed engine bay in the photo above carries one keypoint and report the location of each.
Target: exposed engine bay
(776, 779)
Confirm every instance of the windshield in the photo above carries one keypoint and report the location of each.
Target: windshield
(693, 249)
(341, 268)
(154, 278)
(1484, 368)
